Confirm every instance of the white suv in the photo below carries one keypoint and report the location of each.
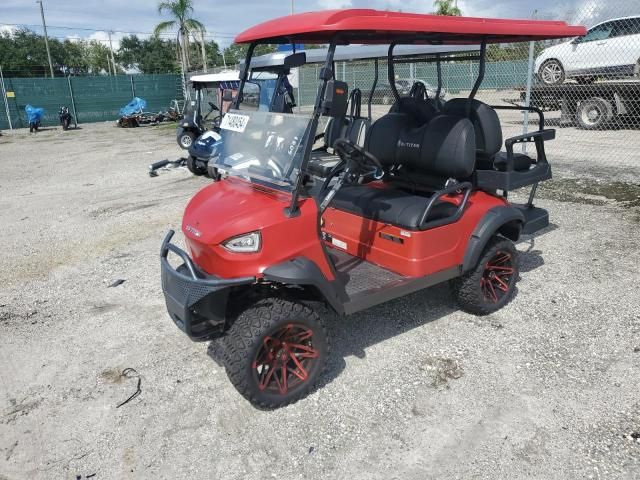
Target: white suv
(609, 49)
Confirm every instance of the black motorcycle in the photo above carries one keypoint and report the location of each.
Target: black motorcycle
(65, 117)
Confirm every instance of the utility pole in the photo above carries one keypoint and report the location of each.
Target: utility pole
(46, 38)
(292, 7)
(113, 62)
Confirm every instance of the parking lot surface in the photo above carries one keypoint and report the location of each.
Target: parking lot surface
(545, 388)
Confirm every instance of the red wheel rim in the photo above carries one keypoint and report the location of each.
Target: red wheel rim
(285, 359)
(496, 277)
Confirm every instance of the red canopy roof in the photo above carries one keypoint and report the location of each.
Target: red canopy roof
(374, 26)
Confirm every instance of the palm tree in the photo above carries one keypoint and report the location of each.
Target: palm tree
(447, 7)
(181, 11)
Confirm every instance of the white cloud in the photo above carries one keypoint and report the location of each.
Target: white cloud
(334, 4)
(10, 29)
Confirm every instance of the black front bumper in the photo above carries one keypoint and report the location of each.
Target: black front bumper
(195, 301)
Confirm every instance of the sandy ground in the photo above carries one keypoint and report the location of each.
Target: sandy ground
(545, 388)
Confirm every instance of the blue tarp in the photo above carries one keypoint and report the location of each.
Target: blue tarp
(137, 105)
(34, 114)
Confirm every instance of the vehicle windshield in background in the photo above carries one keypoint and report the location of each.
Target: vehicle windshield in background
(262, 146)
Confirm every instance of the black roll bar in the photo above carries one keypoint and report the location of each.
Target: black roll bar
(391, 74)
(373, 87)
(244, 74)
(476, 85)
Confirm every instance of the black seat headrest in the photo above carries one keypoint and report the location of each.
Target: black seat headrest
(420, 109)
(445, 147)
(485, 121)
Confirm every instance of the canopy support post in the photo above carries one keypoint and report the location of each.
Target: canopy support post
(476, 86)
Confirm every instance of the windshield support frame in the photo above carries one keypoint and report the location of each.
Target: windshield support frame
(309, 138)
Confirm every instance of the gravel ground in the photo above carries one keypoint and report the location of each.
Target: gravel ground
(545, 388)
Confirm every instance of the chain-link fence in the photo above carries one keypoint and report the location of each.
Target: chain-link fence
(90, 99)
(588, 87)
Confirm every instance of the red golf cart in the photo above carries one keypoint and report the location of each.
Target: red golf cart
(289, 229)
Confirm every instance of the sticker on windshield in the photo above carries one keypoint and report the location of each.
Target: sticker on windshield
(234, 122)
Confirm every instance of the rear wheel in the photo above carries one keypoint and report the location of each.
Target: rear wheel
(194, 167)
(594, 113)
(276, 351)
(491, 284)
(551, 72)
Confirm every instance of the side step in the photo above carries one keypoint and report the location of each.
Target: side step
(535, 218)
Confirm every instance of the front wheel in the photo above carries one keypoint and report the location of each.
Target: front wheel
(276, 351)
(65, 123)
(185, 139)
(491, 284)
(551, 72)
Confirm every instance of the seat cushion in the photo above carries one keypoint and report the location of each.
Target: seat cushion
(521, 162)
(391, 205)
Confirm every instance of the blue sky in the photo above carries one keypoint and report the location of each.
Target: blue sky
(225, 19)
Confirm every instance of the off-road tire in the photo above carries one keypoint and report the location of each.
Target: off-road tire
(603, 116)
(247, 336)
(468, 288)
(549, 79)
(194, 167)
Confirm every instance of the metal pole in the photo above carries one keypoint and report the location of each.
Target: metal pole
(109, 64)
(73, 102)
(46, 38)
(113, 62)
(133, 87)
(291, 7)
(4, 96)
(527, 98)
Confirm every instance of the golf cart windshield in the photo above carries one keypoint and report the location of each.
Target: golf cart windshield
(263, 147)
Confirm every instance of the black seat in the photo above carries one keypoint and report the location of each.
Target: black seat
(353, 127)
(440, 150)
(389, 205)
(488, 133)
(421, 110)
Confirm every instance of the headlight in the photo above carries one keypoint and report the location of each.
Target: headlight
(247, 243)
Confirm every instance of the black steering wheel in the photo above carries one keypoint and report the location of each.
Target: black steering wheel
(355, 156)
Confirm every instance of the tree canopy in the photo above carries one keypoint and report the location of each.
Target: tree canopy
(447, 7)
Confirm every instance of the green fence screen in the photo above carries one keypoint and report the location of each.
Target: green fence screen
(96, 98)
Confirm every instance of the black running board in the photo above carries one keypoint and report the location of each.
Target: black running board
(399, 288)
(535, 218)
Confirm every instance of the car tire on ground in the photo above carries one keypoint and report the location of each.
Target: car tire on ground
(551, 72)
(594, 113)
(186, 139)
(193, 166)
(276, 351)
(491, 284)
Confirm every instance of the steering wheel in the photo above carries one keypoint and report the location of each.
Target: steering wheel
(365, 163)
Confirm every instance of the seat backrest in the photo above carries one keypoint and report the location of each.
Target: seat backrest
(443, 148)
(420, 109)
(486, 123)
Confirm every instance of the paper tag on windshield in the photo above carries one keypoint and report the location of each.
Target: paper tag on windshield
(234, 122)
